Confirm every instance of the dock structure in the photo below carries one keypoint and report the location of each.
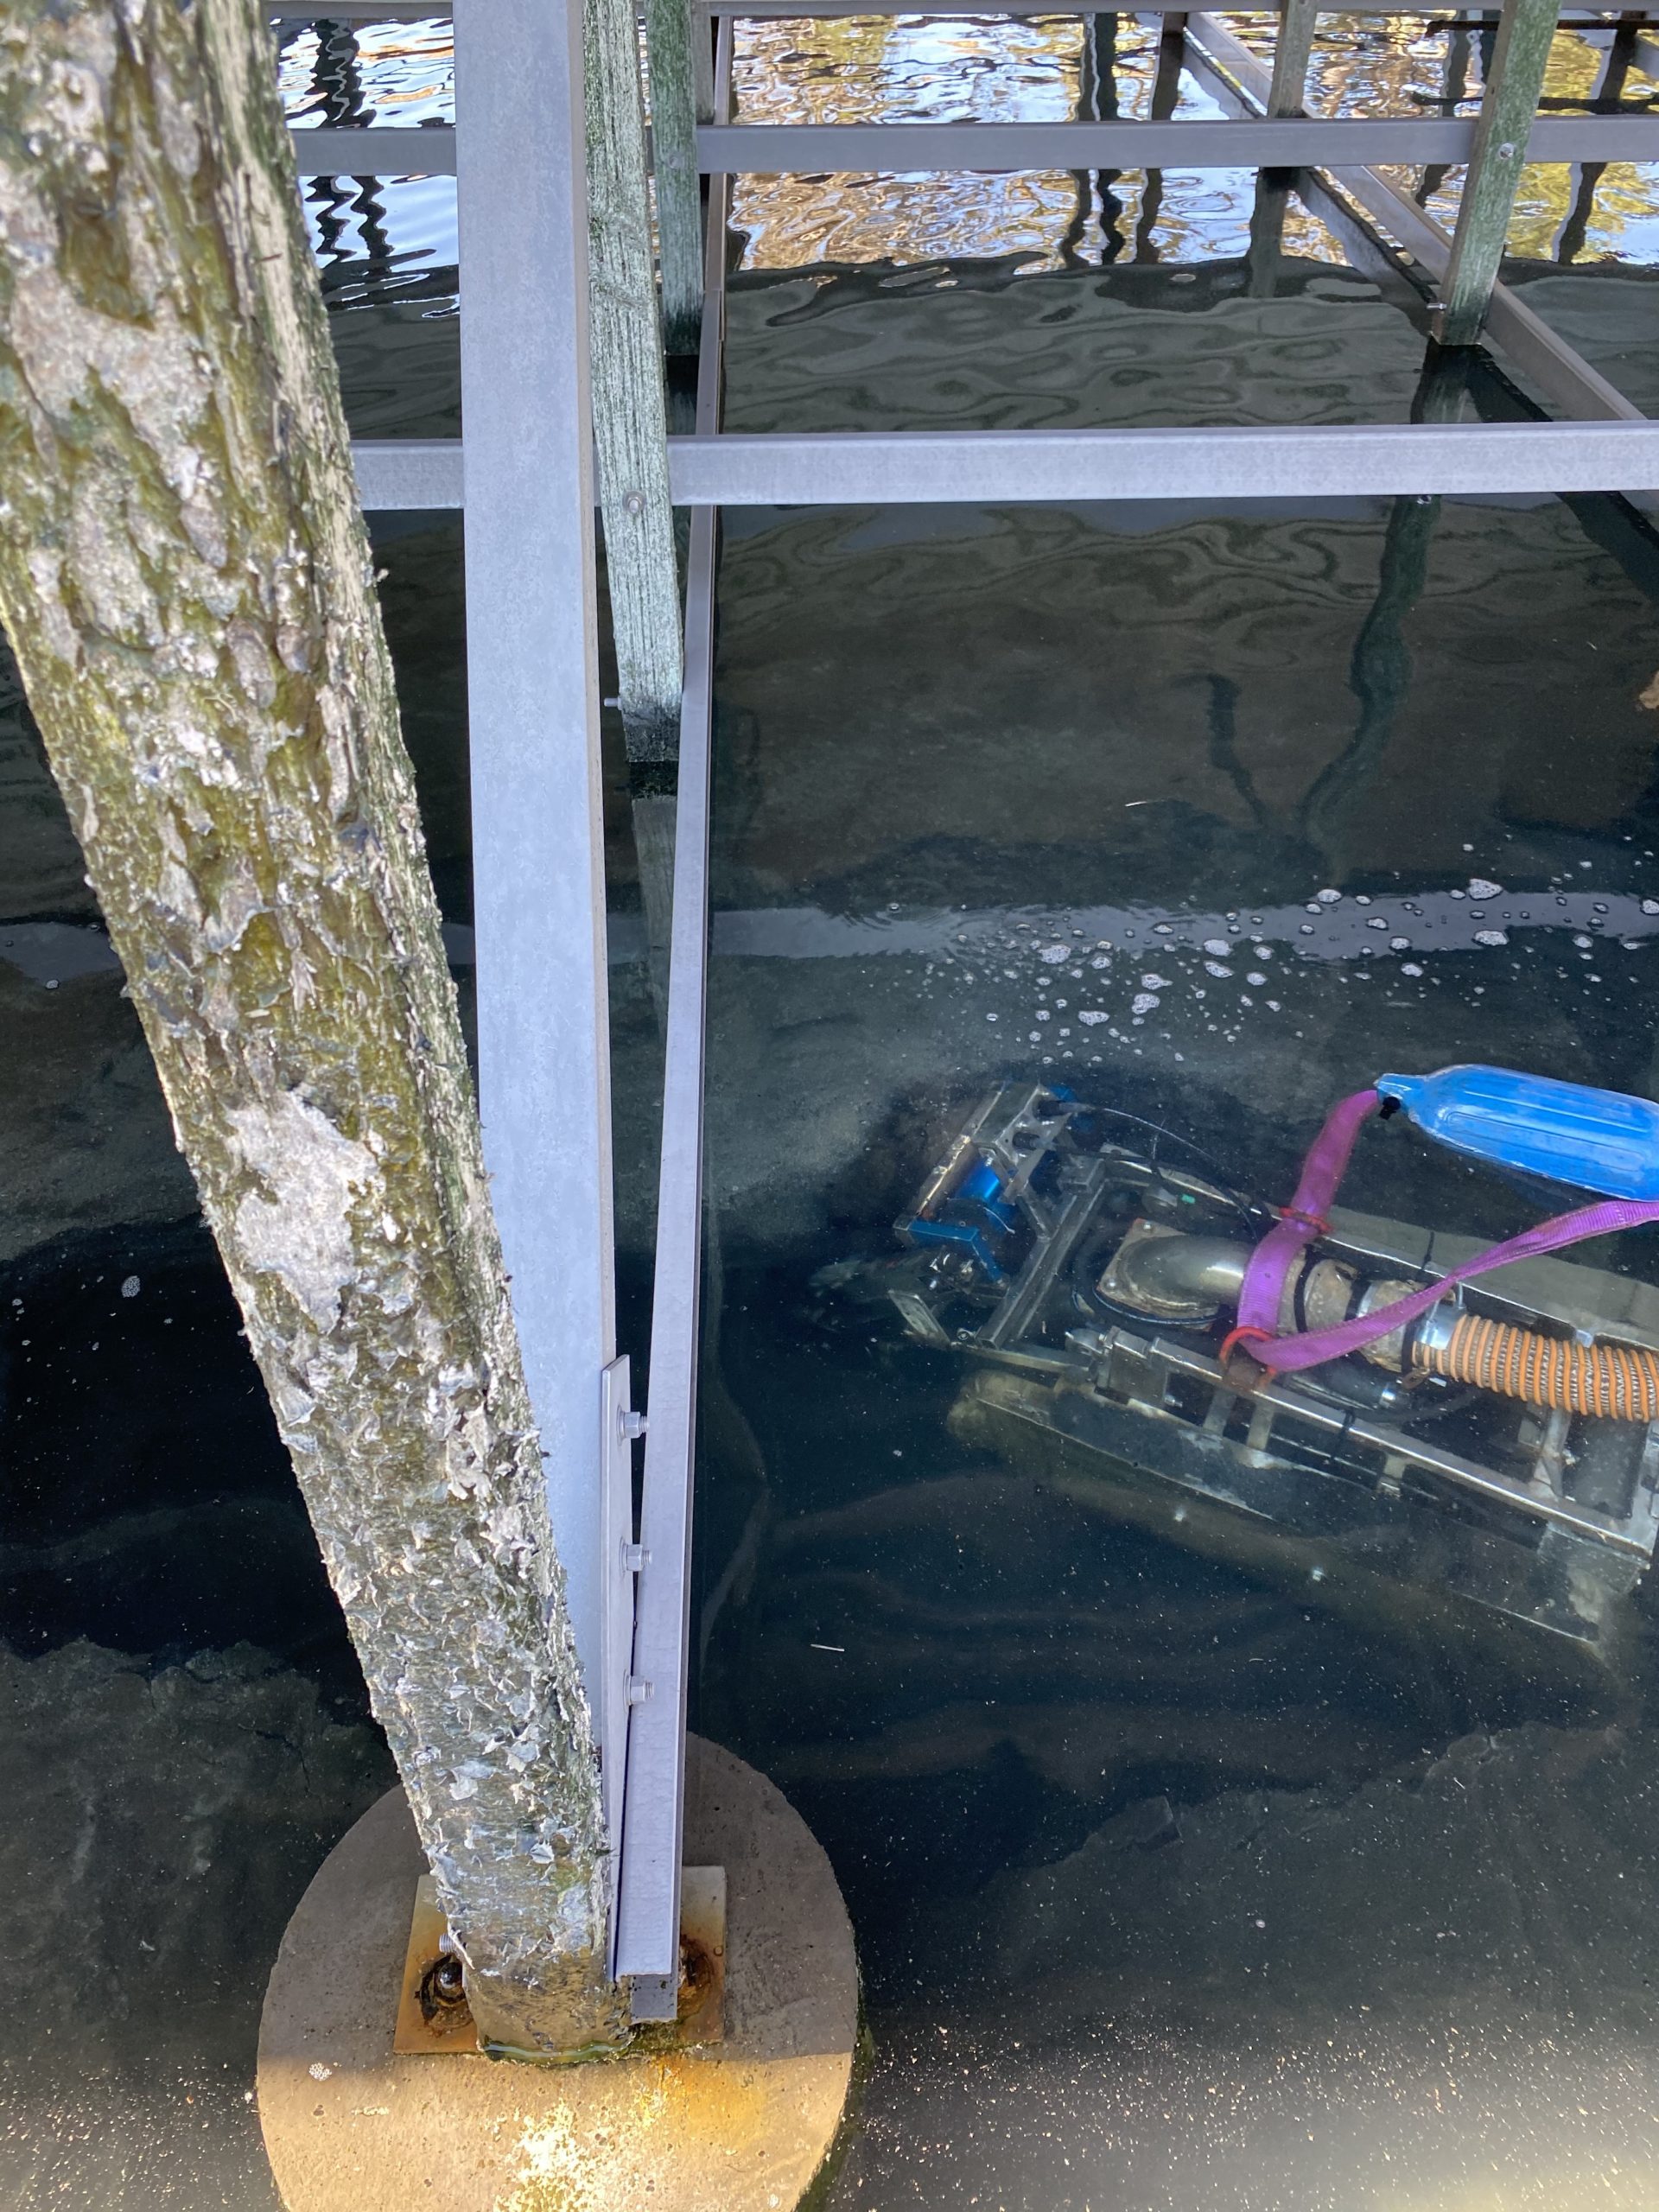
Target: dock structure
(548, 385)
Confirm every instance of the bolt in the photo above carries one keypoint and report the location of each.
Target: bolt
(633, 1425)
(1506, 152)
(633, 503)
(639, 1691)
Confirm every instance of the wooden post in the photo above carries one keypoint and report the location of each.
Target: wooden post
(671, 59)
(1516, 77)
(629, 408)
(1293, 49)
(186, 577)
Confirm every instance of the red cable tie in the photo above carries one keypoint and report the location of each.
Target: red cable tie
(1236, 1337)
(1316, 1221)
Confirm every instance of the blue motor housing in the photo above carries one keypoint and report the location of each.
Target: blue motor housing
(1601, 1141)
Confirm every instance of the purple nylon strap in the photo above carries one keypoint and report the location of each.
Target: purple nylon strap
(1304, 1220)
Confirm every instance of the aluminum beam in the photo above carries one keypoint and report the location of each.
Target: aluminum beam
(768, 10)
(648, 1901)
(1291, 142)
(1002, 467)
(533, 705)
(426, 149)
(405, 472)
(1324, 461)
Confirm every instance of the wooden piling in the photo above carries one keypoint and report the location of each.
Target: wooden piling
(1292, 50)
(676, 85)
(629, 404)
(1516, 79)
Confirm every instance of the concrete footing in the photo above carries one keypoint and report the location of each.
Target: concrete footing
(741, 2126)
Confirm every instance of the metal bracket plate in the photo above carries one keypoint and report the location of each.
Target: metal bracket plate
(619, 1425)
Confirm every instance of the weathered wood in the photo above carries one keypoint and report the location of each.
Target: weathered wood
(186, 578)
(630, 409)
(676, 86)
(1513, 84)
(1293, 49)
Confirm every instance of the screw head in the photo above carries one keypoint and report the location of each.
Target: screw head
(633, 503)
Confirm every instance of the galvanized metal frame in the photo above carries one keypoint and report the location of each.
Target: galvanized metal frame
(648, 1904)
(534, 693)
(814, 149)
(533, 706)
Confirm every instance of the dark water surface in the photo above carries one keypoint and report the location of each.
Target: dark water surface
(1173, 1888)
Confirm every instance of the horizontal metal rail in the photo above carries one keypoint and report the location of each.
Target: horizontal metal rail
(1323, 461)
(1009, 467)
(1288, 142)
(816, 148)
(394, 149)
(417, 11)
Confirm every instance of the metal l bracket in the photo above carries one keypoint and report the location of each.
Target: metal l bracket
(619, 1426)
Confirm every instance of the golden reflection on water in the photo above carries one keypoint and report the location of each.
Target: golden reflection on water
(916, 68)
(913, 69)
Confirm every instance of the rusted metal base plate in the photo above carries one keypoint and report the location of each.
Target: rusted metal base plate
(433, 2014)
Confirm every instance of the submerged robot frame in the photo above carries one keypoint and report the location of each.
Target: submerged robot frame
(1091, 1284)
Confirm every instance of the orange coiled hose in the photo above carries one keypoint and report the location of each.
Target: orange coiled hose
(1608, 1382)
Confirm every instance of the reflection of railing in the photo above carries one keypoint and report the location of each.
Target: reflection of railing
(526, 480)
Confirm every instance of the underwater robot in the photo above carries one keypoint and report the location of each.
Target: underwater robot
(1401, 1424)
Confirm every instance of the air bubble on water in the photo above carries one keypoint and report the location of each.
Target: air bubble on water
(1479, 888)
(1398, 944)
(1584, 943)
(1376, 922)
(1327, 897)
(1217, 946)
(990, 1017)
(1460, 894)
(1198, 991)
(1035, 1037)
(1052, 955)
(1091, 1015)
(1650, 905)
(1491, 936)
(1256, 978)
(1163, 928)
(1043, 1015)
(1361, 899)
(1409, 968)
(131, 1286)
(1144, 1002)
(1261, 952)
(1305, 929)
(1273, 1006)
(1155, 983)
(1218, 968)
(1100, 961)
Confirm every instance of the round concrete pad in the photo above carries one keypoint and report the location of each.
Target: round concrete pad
(741, 2123)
